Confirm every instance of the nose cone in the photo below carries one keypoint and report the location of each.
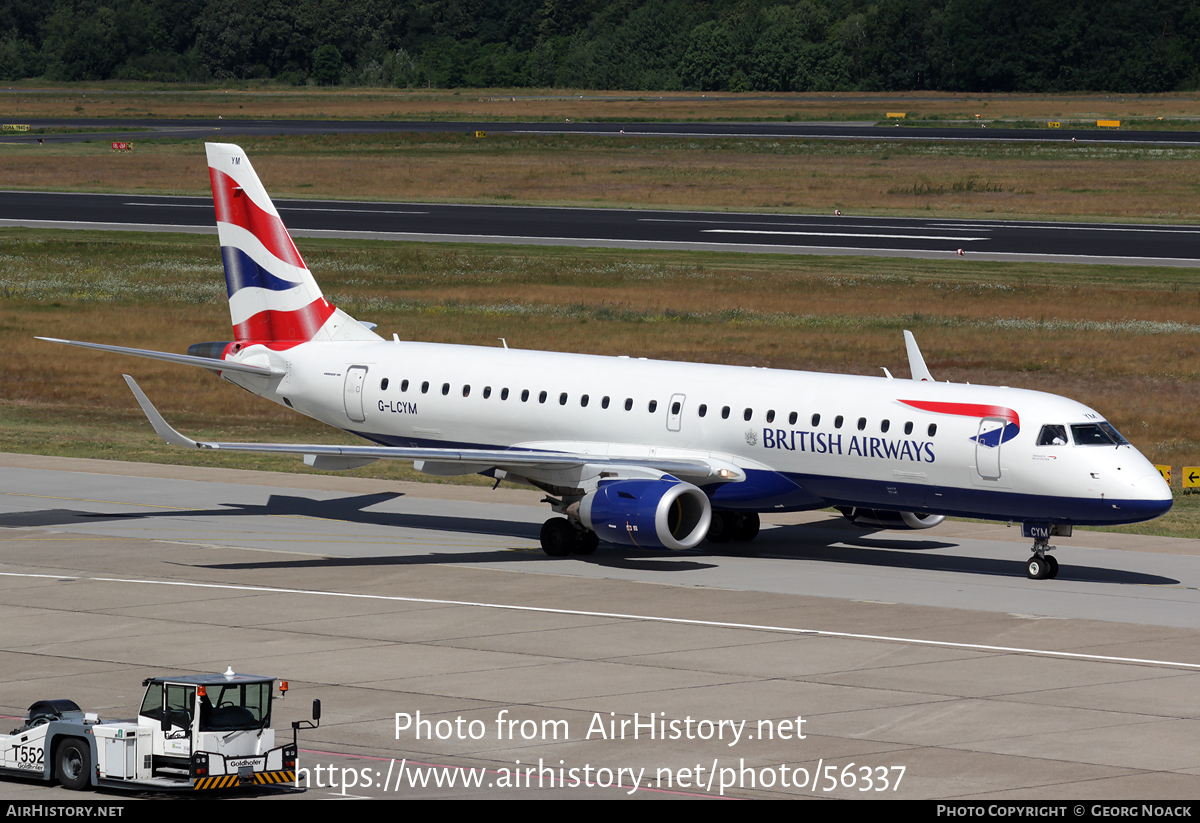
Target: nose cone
(1150, 497)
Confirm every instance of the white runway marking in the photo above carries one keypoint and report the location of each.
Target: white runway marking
(620, 616)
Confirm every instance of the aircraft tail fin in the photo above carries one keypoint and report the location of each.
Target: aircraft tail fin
(273, 298)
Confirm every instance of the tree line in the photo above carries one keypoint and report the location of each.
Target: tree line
(653, 45)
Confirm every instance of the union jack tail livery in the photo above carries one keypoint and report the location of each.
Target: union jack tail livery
(273, 298)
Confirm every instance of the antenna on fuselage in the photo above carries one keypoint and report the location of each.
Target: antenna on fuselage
(916, 363)
(504, 342)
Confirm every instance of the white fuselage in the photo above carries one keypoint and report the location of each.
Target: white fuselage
(805, 440)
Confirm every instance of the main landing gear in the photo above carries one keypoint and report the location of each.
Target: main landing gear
(1041, 566)
(561, 538)
(739, 526)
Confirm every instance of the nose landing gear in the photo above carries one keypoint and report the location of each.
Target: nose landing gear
(1041, 566)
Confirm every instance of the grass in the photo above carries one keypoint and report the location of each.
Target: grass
(37, 98)
(1118, 339)
(1035, 180)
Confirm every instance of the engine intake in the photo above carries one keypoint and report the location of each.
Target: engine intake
(664, 513)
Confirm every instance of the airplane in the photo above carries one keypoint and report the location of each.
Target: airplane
(644, 453)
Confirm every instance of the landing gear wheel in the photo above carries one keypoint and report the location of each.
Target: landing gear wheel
(1051, 567)
(1037, 568)
(74, 765)
(586, 542)
(558, 537)
(720, 530)
(746, 527)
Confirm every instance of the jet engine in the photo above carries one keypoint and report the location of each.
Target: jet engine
(664, 513)
(890, 520)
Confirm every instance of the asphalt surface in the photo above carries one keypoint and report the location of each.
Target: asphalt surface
(926, 657)
(770, 233)
(210, 129)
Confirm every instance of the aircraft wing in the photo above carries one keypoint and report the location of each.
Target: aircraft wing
(699, 470)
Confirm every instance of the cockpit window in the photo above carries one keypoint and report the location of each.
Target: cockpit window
(1052, 436)
(1097, 434)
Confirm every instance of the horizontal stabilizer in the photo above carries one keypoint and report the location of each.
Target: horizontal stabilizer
(184, 359)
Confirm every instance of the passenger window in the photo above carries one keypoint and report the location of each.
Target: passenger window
(628, 403)
(1052, 436)
(445, 389)
(562, 399)
(524, 395)
(724, 412)
(703, 410)
(542, 397)
(748, 413)
(862, 423)
(403, 385)
(383, 384)
(816, 420)
(932, 429)
(884, 425)
(604, 402)
(908, 427)
(675, 407)
(425, 387)
(466, 391)
(653, 407)
(583, 401)
(792, 418)
(504, 394)
(487, 392)
(770, 415)
(837, 422)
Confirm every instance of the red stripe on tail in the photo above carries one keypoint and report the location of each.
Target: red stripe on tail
(234, 206)
(298, 326)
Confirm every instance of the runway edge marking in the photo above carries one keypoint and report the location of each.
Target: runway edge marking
(620, 616)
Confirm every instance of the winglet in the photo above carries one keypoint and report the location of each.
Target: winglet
(160, 425)
(916, 363)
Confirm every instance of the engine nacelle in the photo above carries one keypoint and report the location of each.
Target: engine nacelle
(650, 514)
(890, 520)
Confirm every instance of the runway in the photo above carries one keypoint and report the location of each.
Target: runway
(926, 657)
(1055, 242)
(214, 128)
